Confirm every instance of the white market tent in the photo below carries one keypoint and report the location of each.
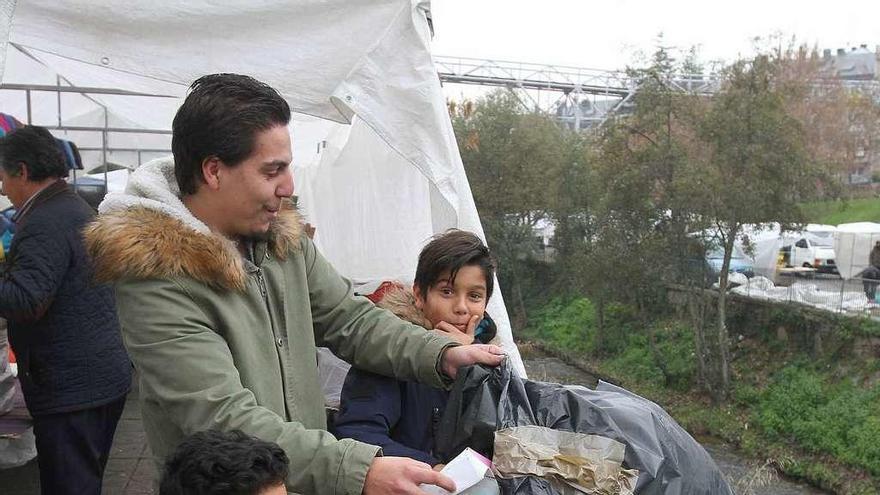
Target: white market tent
(768, 239)
(852, 246)
(377, 167)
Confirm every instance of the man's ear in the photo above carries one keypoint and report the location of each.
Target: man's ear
(23, 171)
(420, 298)
(211, 172)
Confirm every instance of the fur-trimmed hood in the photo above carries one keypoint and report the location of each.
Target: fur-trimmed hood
(402, 302)
(147, 232)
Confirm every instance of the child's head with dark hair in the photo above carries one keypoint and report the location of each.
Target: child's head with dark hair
(454, 278)
(225, 463)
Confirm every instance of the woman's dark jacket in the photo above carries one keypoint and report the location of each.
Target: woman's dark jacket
(62, 327)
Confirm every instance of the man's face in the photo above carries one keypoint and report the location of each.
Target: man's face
(13, 187)
(254, 189)
(457, 302)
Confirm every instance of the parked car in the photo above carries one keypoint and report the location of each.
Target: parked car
(739, 263)
(815, 252)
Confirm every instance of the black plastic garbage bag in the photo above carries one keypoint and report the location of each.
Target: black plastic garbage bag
(526, 485)
(669, 460)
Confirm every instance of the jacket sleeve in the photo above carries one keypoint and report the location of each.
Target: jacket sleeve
(368, 337)
(33, 275)
(370, 409)
(188, 369)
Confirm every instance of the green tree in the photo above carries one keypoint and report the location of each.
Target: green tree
(640, 239)
(754, 168)
(513, 161)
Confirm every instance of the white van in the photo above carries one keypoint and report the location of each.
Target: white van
(815, 251)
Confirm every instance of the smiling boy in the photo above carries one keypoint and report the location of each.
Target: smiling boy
(453, 282)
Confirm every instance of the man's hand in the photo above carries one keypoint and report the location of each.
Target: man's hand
(466, 355)
(399, 475)
(463, 338)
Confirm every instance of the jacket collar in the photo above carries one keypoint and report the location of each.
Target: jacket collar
(40, 197)
(147, 232)
(402, 302)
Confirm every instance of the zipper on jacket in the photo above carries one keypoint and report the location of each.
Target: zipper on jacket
(279, 340)
(264, 292)
(261, 282)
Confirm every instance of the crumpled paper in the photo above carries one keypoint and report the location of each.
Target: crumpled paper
(574, 463)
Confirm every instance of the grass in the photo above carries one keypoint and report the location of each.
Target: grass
(843, 211)
(815, 418)
(803, 405)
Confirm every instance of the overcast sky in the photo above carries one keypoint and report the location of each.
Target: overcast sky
(606, 35)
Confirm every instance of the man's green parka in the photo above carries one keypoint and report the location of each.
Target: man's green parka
(225, 341)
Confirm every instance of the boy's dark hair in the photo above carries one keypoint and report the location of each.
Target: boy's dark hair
(221, 117)
(223, 463)
(37, 148)
(451, 251)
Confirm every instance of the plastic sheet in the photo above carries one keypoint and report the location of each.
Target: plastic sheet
(7, 377)
(526, 485)
(669, 460)
(332, 372)
(17, 450)
(851, 299)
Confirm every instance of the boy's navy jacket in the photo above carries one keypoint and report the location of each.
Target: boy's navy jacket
(402, 417)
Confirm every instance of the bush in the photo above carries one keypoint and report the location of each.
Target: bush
(794, 394)
(636, 363)
(621, 321)
(567, 324)
(672, 365)
(834, 418)
(572, 325)
(675, 346)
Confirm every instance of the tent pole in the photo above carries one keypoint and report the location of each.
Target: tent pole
(58, 93)
(104, 150)
(27, 94)
(60, 125)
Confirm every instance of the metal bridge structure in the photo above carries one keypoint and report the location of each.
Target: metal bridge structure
(579, 97)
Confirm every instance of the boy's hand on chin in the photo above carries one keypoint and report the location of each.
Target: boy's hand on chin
(463, 338)
(455, 357)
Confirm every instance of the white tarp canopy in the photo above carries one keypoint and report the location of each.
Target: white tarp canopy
(376, 162)
(852, 246)
(765, 242)
(767, 239)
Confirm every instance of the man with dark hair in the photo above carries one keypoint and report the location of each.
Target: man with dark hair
(223, 299)
(228, 132)
(73, 369)
(225, 463)
(453, 283)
